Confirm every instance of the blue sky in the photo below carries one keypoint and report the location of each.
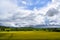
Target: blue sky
(31, 4)
(29, 12)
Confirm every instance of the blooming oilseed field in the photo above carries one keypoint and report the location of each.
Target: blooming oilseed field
(29, 35)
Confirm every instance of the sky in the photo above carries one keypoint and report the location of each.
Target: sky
(21, 13)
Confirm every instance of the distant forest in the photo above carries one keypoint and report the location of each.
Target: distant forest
(4, 28)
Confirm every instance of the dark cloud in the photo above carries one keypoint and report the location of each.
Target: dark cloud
(51, 12)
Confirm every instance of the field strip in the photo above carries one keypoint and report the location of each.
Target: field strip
(25, 35)
(5, 36)
(2, 34)
(10, 37)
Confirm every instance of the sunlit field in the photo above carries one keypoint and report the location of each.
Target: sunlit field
(29, 35)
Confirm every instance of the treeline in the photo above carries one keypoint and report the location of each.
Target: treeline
(3, 28)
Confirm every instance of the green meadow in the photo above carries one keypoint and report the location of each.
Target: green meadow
(29, 35)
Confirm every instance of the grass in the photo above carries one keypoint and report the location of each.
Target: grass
(29, 35)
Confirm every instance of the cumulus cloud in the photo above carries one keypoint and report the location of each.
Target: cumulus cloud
(14, 14)
(52, 12)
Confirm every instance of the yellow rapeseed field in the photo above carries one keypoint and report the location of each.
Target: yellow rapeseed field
(29, 35)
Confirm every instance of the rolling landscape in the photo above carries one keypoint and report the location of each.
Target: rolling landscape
(29, 33)
(29, 19)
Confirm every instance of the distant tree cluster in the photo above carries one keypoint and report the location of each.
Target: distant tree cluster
(3, 28)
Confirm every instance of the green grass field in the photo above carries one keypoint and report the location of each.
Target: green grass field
(29, 35)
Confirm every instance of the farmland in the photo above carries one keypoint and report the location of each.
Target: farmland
(29, 35)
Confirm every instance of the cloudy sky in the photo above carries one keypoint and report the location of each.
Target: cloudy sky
(29, 12)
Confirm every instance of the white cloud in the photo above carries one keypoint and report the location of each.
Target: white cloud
(24, 2)
(18, 16)
(39, 19)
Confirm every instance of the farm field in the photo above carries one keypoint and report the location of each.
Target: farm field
(29, 35)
